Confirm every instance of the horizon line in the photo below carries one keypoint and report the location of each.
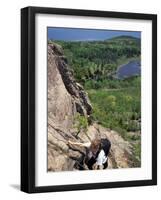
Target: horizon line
(94, 39)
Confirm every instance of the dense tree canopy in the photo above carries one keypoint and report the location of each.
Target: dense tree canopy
(98, 60)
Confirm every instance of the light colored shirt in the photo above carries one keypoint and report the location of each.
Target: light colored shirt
(101, 159)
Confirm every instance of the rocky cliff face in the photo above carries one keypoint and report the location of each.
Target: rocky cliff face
(66, 98)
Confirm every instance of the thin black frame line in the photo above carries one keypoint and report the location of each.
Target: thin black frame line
(28, 83)
(154, 98)
(47, 99)
(93, 186)
(91, 13)
(32, 99)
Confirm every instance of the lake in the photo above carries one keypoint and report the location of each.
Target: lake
(133, 68)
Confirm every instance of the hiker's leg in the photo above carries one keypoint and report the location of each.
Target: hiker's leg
(105, 165)
(95, 166)
(81, 163)
(90, 163)
(100, 167)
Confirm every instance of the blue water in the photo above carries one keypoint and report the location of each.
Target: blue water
(133, 68)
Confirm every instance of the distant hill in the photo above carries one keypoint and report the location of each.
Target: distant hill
(125, 40)
(124, 37)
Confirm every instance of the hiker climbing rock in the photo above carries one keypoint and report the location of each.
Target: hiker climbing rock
(96, 156)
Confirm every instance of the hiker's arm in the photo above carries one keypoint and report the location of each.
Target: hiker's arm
(87, 144)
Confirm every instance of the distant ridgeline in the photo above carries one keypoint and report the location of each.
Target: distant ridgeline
(95, 62)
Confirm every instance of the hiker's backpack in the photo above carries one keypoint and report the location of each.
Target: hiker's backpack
(105, 145)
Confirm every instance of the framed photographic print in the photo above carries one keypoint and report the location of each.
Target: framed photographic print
(88, 99)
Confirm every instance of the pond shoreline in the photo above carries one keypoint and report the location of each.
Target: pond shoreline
(123, 71)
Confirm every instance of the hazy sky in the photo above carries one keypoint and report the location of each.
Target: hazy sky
(74, 34)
